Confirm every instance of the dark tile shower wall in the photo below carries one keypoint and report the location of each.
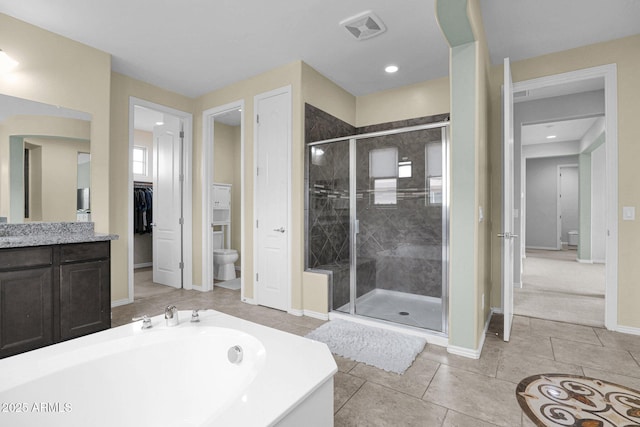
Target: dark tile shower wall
(404, 239)
(399, 247)
(328, 179)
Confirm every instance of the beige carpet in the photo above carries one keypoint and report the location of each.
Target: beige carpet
(557, 287)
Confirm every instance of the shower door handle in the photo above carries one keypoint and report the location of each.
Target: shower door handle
(357, 226)
(279, 230)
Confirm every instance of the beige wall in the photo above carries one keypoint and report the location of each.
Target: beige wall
(246, 90)
(81, 82)
(226, 170)
(122, 88)
(625, 53)
(421, 99)
(322, 93)
(483, 175)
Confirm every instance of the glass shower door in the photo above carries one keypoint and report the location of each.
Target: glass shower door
(399, 259)
(328, 218)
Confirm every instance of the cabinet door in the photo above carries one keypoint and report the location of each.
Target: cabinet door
(85, 298)
(26, 310)
(221, 197)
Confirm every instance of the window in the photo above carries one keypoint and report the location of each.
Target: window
(404, 169)
(385, 191)
(383, 171)
(139, 160)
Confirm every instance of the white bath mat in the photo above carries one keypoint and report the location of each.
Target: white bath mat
(233, 284)
(384, 349)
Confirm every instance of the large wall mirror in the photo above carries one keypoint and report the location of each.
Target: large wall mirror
(45, 165)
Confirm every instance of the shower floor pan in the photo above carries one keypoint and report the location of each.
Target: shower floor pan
(400, 307)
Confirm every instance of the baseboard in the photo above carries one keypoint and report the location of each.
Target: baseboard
(584, 261)
(544, 248)
(472, 353)
(143, 265)
(496, 310)
(249, 301)
(464, 352)
(197, 288)
(120, 302)
(295, 312)
(316, 315)
(628, 330)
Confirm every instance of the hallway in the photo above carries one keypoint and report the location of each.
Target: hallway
(557, 287)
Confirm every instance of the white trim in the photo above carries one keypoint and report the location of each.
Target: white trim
(628, 330)
(315, 314)
(120, 302)
(432, 338)
(584, 261)
(251, 301)
(609, 73)
(283, 90)
(142, 265)
(187, 235)
(543, 248)
(208, 119)
(474, 354)
(464, 352)
(296, 312)
(197, 288)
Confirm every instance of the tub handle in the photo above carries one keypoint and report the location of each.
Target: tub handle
(146, 321)
(195, 317)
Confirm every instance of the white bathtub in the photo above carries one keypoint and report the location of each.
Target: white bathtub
(178, 376)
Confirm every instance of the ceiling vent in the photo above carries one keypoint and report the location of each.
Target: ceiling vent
(364, 25)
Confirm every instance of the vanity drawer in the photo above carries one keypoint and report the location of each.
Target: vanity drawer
(25, 257)
(84, 251)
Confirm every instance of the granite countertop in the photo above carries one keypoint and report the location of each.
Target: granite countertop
(49, 233)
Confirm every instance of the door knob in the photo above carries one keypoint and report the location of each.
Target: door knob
(279, 230)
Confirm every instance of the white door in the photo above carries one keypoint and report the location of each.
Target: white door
(167, 231)
(507, 200)
(273, 142)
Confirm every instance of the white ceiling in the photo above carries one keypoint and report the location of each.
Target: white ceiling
(193, 47)
(564, 131)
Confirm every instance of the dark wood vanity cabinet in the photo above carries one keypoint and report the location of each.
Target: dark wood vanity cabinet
(53, 293)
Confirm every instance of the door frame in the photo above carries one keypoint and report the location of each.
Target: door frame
(208, 152)
(282, 90)
(187, 155)
(609, 73)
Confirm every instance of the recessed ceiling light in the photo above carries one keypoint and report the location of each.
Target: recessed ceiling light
(551, 136)
(159, 123)
(391, 69)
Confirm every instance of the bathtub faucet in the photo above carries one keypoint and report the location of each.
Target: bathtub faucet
(171, 315)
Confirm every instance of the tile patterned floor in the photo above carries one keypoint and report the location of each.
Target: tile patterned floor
(439, 389)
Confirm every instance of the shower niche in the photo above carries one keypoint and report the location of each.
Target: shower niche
(377, 217)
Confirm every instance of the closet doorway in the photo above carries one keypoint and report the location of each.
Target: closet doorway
(223, 218)
(159, 199)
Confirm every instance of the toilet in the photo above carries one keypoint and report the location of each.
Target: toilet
(223, 259)
(223, 264)
(573, 237)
